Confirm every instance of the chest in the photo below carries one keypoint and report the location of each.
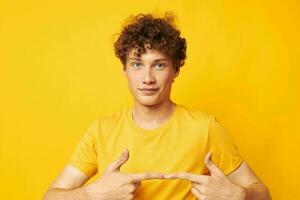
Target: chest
(172, 150)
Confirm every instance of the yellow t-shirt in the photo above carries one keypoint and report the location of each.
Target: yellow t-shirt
(179, 144)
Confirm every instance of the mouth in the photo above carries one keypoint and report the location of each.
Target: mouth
(148, 90)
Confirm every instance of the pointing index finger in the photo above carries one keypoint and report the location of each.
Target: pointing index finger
(146, 176)
(188, 176)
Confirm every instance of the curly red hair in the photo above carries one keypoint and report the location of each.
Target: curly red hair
(146, 31)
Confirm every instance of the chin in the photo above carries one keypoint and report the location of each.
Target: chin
(147, 102)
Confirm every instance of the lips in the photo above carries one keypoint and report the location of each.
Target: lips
(148, 91)
(148, 88)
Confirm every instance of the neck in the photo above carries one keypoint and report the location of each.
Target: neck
(150, 117)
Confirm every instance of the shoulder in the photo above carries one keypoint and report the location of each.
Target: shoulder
(195, 114)
(111, 119)
(195, 118)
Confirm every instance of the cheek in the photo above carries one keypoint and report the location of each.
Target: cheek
(133, 81)
(166, 81)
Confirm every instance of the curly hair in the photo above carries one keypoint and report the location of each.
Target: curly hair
(146, 31)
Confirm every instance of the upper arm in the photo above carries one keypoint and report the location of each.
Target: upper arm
(83, 162)
(224, 151)
(243, 175)
(69, 178)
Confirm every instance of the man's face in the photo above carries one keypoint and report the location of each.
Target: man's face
(150, 76)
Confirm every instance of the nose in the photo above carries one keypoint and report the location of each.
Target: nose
(148, 76)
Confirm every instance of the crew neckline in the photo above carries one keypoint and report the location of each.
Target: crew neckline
(154, 131)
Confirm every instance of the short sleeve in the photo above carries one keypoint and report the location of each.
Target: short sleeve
(84, 156)
(224, 151)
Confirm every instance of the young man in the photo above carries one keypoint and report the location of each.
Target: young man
(175, 152)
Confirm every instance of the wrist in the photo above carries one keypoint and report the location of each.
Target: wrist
(243, 193)
(240, 192)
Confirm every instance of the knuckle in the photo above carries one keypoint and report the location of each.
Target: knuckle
(137, 184)
(195, 193)
(131, 188)
(203, 190)
(194, 184)
(131, 179)
(130, 196)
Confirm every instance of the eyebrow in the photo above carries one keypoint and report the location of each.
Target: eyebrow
(131, 58)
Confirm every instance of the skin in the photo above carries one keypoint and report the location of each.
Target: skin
(152, 70)
(112, 185)
(116, 185)
(149, 111)
(212, 187)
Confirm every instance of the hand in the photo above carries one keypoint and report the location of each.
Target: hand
(214, 187)
(114, 185)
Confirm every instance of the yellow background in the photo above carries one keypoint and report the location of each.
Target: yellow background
(58, 73)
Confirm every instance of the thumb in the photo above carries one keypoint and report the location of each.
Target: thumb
(214, 170)
(115, 166)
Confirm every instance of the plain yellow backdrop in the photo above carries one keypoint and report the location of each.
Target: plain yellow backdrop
(58, 73)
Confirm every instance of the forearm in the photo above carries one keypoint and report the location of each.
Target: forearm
(256, 191)
(66, 194)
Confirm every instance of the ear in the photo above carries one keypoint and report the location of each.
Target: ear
(177, 72)
(124, 71)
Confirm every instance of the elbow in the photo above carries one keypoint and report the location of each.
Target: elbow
(257, 191)
(46, 196)
(267, 193)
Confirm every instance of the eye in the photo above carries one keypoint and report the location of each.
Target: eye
(136, 65)
(160, 65)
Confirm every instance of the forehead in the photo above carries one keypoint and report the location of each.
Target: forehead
(150, 54)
